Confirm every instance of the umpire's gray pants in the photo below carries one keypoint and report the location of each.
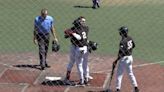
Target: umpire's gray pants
(43, 43)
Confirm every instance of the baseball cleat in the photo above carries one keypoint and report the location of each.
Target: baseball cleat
(80, 84)
(86, 83)
(136, 89)
(117, 90)
(68, 82)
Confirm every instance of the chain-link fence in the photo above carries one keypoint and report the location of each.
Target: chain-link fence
(19, 56)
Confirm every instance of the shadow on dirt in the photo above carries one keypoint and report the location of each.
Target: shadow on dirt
(58, 83)
(28, 66)
(108, 90)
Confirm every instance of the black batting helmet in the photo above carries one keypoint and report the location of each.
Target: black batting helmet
(123, 30)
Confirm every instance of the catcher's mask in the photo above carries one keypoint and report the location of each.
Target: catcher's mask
(81, 21)
(55, 46)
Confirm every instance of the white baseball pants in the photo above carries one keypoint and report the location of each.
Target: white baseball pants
(125, 63)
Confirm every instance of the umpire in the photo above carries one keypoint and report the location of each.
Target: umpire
(43, 25)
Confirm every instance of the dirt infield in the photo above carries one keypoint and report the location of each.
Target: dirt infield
(19, 72)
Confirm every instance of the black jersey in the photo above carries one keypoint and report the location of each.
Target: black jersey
(83, 32)
(126, 46)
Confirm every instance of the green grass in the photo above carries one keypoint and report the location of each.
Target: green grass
(145, 22)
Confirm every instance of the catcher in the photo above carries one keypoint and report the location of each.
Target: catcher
(78, 35)
(125, 59)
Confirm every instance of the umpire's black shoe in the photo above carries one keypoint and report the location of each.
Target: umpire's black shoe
(42, 68)
(136, 89)
(47, 66)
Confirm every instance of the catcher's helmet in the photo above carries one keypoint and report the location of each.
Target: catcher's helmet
(123, 30)
(80, 21)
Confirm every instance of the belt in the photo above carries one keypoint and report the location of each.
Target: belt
(43, 33)
(78, 45)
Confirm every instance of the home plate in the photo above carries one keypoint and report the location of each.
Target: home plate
(52, 78)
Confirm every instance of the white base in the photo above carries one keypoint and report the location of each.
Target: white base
(52, 78)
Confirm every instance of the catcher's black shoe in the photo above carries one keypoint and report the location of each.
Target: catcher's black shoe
(117, 90)
(136, 89)
(86, 83)
(68, 82)
(80, 84)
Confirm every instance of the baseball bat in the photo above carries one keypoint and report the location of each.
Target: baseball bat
(112, 72)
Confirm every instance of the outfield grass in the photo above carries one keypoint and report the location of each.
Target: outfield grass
(145, 22)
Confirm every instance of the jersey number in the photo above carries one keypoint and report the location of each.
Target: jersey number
(130, 44)
(84, 35)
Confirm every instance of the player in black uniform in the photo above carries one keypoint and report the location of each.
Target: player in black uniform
(78, 35)
(125, 59)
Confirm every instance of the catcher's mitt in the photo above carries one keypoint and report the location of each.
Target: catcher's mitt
(55, 46)
(92, 46)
